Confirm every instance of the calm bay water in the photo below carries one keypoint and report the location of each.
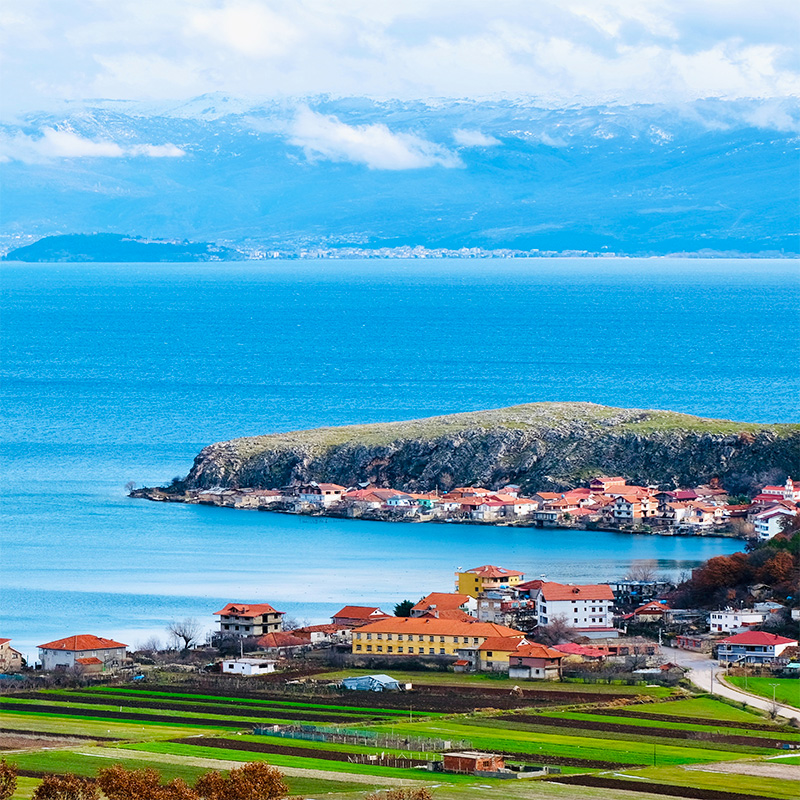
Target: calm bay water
(123, 372)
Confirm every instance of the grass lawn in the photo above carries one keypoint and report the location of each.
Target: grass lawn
(678, 725)
(493, 735)
(744, 784)
(705, 707)
(25, 788)
(84, 726)
(344, 767)
(225, 702)
(787, 690)
(489, 681)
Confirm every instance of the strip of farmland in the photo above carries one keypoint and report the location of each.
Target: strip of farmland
(661, 733)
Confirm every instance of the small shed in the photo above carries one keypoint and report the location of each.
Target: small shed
(371, 683)
(248, 666)
(469, 762)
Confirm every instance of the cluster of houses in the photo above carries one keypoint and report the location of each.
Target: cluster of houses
(605, 501)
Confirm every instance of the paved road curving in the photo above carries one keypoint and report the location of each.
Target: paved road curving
(709, 676)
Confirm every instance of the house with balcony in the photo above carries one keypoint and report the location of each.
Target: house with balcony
(437, 602)
(248, 619)
(731, 620)
(753, 647)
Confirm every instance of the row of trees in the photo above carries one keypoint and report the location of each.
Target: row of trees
(255, 781)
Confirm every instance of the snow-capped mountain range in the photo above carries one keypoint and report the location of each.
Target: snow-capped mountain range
(331, 172)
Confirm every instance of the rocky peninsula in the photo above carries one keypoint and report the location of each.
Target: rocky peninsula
(538, 446)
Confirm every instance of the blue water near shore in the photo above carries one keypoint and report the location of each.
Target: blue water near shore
(123, 372)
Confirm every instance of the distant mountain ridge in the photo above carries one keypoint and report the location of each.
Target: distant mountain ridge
(325, 173)
(538, 446)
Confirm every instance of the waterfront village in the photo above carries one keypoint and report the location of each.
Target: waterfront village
(494, 621)
(605, 503)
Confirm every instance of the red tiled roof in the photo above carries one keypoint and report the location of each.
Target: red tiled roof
(438, 627)
(83, 641)
(326, 628)
(461, 663)
(88, 661)
(572, 649)
(331, 487)
(271, 641)
(757, 637)
(3, 641)
(360, 612)
(488, 571)
(652, 606)
(248, 611)
(449, 613)
(559, 591)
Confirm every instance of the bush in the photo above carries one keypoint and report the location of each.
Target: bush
(8, 779)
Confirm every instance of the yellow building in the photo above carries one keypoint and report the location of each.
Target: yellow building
(428, 636)
(482, 579)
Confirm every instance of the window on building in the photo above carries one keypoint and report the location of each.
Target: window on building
(410, 649)
(369, 636)
(369, 648)
(441, 651)
(390, 649)
(358, 647)
(399, 649)
(380, 648)
(431, 650)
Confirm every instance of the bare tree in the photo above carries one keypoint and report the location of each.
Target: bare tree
(186, 630)
(557, 631)
(130, 486)
(151, 645)
(643, 571)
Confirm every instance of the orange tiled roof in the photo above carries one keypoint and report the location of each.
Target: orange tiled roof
(437, 627)
(449, 613)
(559, 591)
(442, 601)
(83, 641)
(248, 611)
(488, 571)
(88, 661)
(536, 650)
(505, 644)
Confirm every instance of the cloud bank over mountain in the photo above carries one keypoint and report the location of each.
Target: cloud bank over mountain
(564, 51)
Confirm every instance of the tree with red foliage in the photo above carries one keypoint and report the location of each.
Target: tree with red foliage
(254, 781)
(65, 787)
(779, 569)
(8, 779)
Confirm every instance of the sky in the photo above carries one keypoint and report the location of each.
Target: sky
(564, 52)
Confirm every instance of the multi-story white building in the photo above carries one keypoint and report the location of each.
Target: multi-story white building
(588, 609)
(731, 621)
(321, 494)
(769, 522)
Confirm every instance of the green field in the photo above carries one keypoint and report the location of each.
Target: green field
(787, 690)
(570, 741)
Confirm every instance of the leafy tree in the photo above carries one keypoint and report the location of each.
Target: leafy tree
(779, 569)
(65, 787)
(403, 609)
(8, 779)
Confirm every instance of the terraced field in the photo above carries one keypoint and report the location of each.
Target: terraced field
(601, 749)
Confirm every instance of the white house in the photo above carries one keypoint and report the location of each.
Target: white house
(769, 522)
(321, 494)
(248, 666)
(588, 609)
(730, 621)
(83, 649)
(753, 647)
(789, 491)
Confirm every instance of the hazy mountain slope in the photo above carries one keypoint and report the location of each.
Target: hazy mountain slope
(630, 179)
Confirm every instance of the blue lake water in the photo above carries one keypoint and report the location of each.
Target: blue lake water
(123, 372)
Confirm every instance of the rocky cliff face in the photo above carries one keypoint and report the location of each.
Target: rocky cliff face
(539, 446)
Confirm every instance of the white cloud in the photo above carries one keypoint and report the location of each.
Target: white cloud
(55, 143)
(375, 146)
(467, 138)
(557, 51)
